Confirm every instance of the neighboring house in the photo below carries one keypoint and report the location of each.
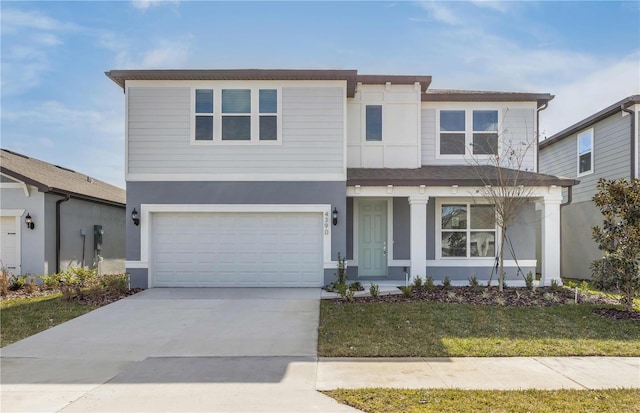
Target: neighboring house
(604, 145)
(52, 217)
(262, 177)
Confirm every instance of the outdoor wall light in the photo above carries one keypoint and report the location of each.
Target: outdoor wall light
(135, 217)
(29, 221)
(335, 216)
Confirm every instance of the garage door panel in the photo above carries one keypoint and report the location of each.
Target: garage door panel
(236, 249)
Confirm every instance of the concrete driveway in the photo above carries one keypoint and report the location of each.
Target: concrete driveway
(174, 350)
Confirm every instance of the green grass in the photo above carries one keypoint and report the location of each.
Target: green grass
(23, 317)
(494, 401)
(428, 329)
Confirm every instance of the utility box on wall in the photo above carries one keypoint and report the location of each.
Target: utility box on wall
(97, 238)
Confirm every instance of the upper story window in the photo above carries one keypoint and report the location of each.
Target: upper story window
(467, 230)
(585, 152)
(373, 114)
(474, 129)
(236, 115)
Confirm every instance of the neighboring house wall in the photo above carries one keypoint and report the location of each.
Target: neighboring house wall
(31, 241)
(400, 143)
(611, 160)
(160, 146)
(516, 127)
(77, 215)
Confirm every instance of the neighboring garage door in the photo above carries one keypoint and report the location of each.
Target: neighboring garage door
(236, 250)
(9, 245)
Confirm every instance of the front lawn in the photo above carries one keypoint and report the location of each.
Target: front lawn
(23, 317)
(434, 329)
(494, 401)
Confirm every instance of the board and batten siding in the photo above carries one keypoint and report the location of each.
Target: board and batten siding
(159, 142)
(611, 156)
(517, 125)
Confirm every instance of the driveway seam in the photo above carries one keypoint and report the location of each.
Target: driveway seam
(536, 359)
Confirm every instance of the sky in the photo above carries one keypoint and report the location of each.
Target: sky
(57, 105)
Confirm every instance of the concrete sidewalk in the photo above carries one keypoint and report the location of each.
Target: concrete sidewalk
(485, 373)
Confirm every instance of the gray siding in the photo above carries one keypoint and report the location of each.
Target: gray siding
(611, 156)
(401, 229)
(159, 136)
(428, 135)
(333, 193)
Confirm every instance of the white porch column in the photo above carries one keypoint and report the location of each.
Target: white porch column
(418, 215)
(551, 237)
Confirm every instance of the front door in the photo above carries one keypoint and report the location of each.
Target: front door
(9, 245)
(372, 238)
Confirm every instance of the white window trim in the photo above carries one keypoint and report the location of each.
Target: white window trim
(468, 133)
(591, 170)
(217, 116)
(438, 231)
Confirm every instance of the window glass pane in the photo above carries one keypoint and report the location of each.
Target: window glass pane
(268, 101)
(204, 128)
(454, 216)
(204, 101)
(485, 143)
(585, 162)
(452, 143)
(452, 120)
(485, 120)
(374, 123)
(454, 244)
(483, 244)
(482, 217)
(268, 128)
(236, 128)
(236, 101)
(584, 143)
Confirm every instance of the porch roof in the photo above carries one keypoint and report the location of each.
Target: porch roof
(448, 175)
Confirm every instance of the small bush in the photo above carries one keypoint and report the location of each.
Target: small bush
(16, 282)
(374, 290)
(429, 286)
(51, 281)
(446, 283)
(115, 283)
(342, 270)
(31, 285)
(451, 295)
(4, 282)
(356, 286)
(528, 280)
(407, 290)
(417, 282)
(341, 289)
(474, 284)
(555, 286)
(349, 295)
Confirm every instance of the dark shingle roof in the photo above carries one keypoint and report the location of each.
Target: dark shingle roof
(452, 95)
(52, 178)
(447, 175)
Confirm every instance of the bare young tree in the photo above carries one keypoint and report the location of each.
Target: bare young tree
(501, 165)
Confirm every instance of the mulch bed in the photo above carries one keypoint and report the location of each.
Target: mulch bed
(510, 297)
(99, 299)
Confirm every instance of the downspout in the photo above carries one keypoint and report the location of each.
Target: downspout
(540, 109)
(632, 137)
(58, 202)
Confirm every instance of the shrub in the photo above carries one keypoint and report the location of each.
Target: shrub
(341, 289)
(407, 290)
(429, 285)
(446, 283)
(374, 290)
(474, 284)
(349, 295)
(51, 281)
(342, 270)
(31, 285)
(4, 282)
(555, 286)
(417, 282)
(451, 295)
(77, 279)
(115, 283)
(356, 286)
(16, 282)
(528, 280)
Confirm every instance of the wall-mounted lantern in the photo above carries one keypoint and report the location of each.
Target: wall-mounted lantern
(135, 217)
(29, 221)
(335, 216)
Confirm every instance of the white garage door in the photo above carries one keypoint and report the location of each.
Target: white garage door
(9, 244)
(236, 250)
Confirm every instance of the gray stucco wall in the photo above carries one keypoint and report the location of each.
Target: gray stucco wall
(578, 249)
(31, 241)
(401, 229)
(350, 228)
(138, 193)
(431, 233)
(522, 234)
(77, 214)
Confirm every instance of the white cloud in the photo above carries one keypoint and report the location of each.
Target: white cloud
(167, 54)
(14, 19)
(440, 12)
(146, 4)
(47, 39)
(500, 6)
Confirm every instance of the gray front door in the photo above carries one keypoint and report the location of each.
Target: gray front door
(372, 238)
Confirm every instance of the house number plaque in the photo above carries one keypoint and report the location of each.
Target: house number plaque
(326, 223)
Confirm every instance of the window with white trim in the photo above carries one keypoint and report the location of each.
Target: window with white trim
(477, 129)
(467, 230)
(240, 115)
(585, 152)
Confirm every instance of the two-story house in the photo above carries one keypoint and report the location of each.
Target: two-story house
(603, 145)
(264, 177)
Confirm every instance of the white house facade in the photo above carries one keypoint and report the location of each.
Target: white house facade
(266, 177)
